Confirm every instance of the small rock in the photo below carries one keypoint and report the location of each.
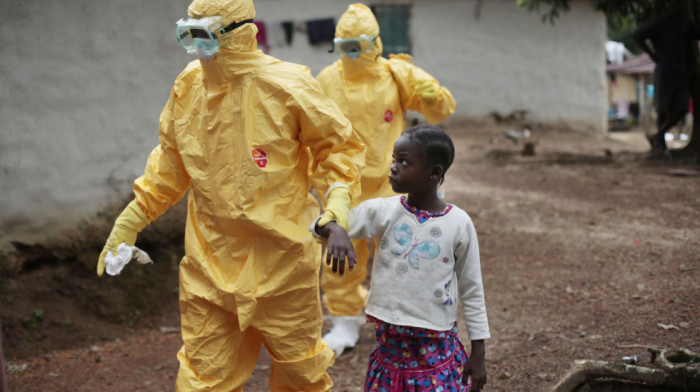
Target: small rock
(680, 172)
(15, 368)
(667, 326)
(169, 329)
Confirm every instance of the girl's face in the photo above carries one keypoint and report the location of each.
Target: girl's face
(409, 173)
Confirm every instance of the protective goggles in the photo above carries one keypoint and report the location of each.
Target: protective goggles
(353, 47)
(193, 32)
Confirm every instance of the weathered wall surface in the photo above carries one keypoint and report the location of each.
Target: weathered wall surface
(497, 58)
(493, 57)
(82, 84)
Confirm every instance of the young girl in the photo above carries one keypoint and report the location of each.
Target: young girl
(425, 264)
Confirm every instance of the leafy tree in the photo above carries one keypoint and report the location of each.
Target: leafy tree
(620, 29)
(639, 11)
(628, 15)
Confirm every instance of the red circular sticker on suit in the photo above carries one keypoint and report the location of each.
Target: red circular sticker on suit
(388, 115)
(259, 157)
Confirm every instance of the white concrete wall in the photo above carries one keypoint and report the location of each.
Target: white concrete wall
(508, 60)
(82, 84)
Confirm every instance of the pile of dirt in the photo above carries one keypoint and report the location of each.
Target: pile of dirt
(51, 298)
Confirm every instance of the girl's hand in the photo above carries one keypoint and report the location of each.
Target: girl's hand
(476, 367)
(339, 247)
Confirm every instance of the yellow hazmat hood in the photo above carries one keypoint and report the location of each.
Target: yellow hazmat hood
(241, 39)
(358, 19)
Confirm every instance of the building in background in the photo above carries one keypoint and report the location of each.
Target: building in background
(495, 58)
(80, 106)
(630, 92)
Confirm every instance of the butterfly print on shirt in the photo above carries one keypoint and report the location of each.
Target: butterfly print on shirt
(411, 247)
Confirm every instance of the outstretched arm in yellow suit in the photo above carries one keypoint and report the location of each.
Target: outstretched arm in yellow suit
(162, 184)
(421, 92)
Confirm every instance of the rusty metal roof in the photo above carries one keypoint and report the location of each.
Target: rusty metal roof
(641, 64)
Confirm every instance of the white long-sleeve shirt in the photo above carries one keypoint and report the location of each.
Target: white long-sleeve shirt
(422, 271)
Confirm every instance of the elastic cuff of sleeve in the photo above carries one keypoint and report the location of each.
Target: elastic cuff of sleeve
(312, 228)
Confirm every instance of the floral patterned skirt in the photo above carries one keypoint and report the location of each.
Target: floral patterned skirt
(415, 359)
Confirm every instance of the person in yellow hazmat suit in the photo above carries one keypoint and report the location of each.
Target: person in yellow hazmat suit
(374, 93)
(234, 135)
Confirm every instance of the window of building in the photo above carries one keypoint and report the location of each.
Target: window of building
(393, 27)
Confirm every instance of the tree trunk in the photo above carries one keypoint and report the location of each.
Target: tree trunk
(692, 149)
(677, 369)
(585, 371)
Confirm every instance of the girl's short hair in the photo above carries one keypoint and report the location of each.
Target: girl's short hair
(436, 144)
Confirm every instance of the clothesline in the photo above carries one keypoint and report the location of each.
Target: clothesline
(281, 33)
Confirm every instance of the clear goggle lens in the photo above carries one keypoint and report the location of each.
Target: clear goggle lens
(192, 33)
(353, 47)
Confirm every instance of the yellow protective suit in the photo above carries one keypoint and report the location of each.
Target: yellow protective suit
(374, 93)
(235, 134)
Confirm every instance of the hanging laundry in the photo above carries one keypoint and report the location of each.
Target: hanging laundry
(262, 36)
(288, 27)
(321, 30)
(275, 34)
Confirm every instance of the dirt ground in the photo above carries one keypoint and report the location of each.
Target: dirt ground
(588, 250)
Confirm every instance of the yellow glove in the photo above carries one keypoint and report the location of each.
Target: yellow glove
(129, 223)
(337, 208)
(427, 90)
